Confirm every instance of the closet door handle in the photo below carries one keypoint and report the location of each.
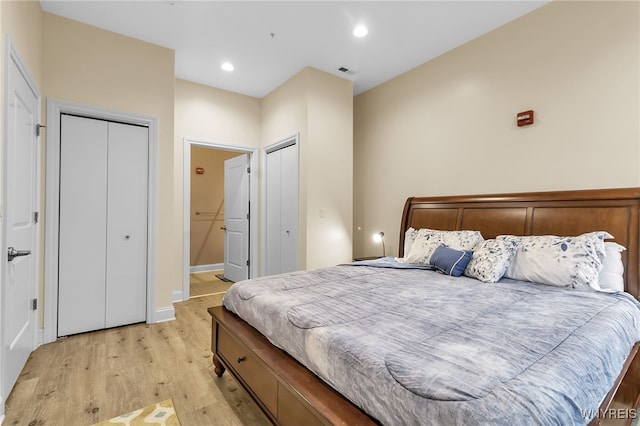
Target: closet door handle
(223, 227)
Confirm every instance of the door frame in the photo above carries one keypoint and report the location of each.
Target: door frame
(56, 107)
(186, 205)
(283, 143)
(11, 55)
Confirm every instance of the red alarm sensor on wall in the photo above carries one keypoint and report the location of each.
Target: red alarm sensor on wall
(525, 118)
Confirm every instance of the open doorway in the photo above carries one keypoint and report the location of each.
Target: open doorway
(207, 221)
(210, 202)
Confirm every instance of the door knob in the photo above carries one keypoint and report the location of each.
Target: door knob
(13, 253)
(223, 227)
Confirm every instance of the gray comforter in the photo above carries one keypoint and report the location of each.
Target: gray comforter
(416, 347)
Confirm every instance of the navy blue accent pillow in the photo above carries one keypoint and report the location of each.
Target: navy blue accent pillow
(449, 261)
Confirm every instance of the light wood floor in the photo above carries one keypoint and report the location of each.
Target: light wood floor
(204, 283)
(92, 377)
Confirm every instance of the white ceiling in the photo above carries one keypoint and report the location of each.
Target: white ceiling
(268, 42)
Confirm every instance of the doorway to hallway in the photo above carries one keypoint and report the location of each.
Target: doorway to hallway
(219, 225)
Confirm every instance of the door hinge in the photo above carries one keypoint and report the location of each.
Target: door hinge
(247, 263)
(38, 127)
(34, 304)
(247, 215)
(248, 169)
(36, 216)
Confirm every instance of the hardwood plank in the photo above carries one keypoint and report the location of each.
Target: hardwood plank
(91, 377)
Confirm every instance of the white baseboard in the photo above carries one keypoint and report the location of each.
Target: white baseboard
(164, 314)
(176, 296)
(206, 268)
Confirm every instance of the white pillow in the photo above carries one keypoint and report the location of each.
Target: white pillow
(612, 274)
(423, 247)
(490, 259)
(428, 240)
(462, 240)
(561, 261)
(410, 236)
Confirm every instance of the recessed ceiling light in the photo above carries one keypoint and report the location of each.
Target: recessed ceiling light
(227, 66)
(360, 31)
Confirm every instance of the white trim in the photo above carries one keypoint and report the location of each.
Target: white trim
(283, 143)
(54, 109)
(164, 314)
(186, 204)
(11, 55)
(176, 296)
(206, 268)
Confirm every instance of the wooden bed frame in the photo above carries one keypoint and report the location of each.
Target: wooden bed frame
(289, 394)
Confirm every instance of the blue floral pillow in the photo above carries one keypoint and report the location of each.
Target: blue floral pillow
(490, 260)
(427, 240)
(450, 261)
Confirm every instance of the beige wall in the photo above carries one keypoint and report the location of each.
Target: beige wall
(329, 170)
(91, 66)
(209, 114)
(304, 104)
(284, 113)
(215, 115)
(318, 106)
(448, 126)
(22, 20)
(207, 205)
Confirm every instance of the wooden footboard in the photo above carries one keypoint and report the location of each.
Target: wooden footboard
(287, 392)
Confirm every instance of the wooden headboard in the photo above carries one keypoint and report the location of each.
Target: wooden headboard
(538, 213)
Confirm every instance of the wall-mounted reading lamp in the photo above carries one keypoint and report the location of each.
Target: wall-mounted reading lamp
(379, 238)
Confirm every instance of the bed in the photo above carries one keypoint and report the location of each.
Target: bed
(285, 383)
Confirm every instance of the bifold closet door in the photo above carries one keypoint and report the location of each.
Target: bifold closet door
(282, 210)
(126, 272)
(82, 248)
(103, 225)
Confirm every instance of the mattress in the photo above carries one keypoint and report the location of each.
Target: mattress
(414, 347)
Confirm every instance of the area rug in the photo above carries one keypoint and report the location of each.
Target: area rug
(161, 413)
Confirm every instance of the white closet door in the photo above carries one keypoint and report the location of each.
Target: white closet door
(83, 225)
(282, 210)
(126, 271)
(273, 202)
(103, 224)
(289, 208)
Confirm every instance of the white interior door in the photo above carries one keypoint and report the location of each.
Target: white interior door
(20, 227)
(281, 210)
(236, 218)
(103, 224)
